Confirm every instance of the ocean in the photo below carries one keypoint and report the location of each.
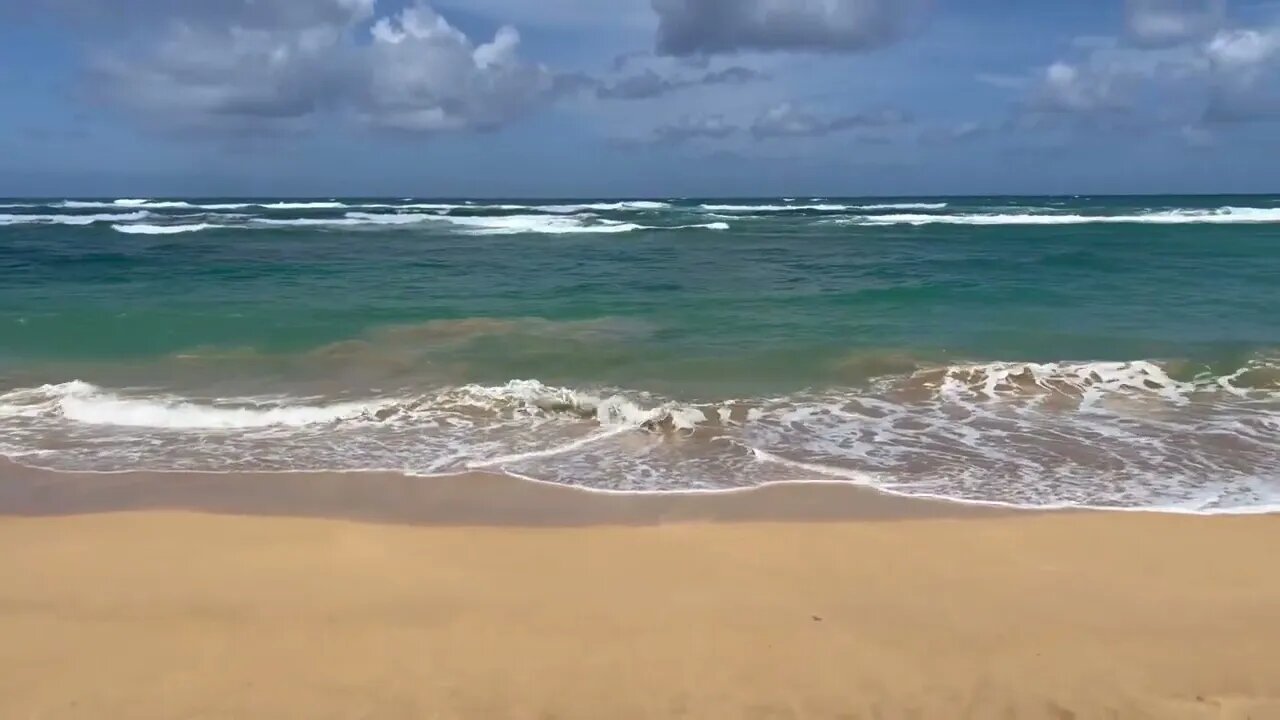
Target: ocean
(1112, 352)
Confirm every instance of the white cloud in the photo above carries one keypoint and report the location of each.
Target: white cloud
(1243, 49)
(1161, 23)
(264, 65)
(687, 27)
(425, 75)
(1246, 75)
(1232, 75)
(786, 120)
(781, 121)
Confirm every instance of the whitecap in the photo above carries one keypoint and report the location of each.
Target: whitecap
(310, 205)
(71, 219)
(1224, 215)
(142, 229)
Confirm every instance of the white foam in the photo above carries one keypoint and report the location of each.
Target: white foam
(824, 207)
(71, 219)
(308, 222)
(602, 207)
(561, 225)
(1224, 215)
(901, 206)
(1106, 435)
(324, 205)
(541, 224)
(142, 229)
(86, 403)
(126, 203)
(391, 218)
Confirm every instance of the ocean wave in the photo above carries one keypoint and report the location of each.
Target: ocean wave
(901, 206)
(1118, 435)
(1091, 381)
(1224, 215)
(818, 207)
(6, 219)
(309, 205)
(86, 403)
(90, 404)
(125, 203)
(746, 209)
(558, 225)
(596, 207)
(142, 229)
(391, 218)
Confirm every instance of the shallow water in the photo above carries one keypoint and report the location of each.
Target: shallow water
(1118, 352)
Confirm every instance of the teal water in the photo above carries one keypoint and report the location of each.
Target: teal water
(1037, 351)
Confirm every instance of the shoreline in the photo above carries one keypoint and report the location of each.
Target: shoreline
(474, 498)
(489, 497)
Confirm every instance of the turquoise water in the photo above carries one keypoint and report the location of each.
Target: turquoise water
(1037, 351)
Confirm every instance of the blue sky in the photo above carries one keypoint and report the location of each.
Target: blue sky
(560, 98)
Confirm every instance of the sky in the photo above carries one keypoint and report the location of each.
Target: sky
(638, 98)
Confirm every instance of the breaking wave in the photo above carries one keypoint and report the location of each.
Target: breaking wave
(142, 229)
(1118, 435)
(747, 209)
(488, 225)
(6, 219)
(311, 205)
(596, 207)
(902, 206)
(1224, 215)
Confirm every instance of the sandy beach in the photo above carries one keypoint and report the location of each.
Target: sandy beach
(703, 608)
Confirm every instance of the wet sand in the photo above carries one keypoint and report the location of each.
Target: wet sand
(466, 499)
(160, 613)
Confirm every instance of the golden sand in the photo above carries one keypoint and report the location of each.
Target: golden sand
(184, 615)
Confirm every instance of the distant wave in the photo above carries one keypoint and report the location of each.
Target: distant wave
(1225, 215)
(901, 206)
(71, 219)
(311, 205)
(731, 208)
(487, 225)
(125, 203)
(610, 206)
(558, 225)
(141, 229)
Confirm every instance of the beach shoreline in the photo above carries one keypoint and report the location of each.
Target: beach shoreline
(474, 498)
